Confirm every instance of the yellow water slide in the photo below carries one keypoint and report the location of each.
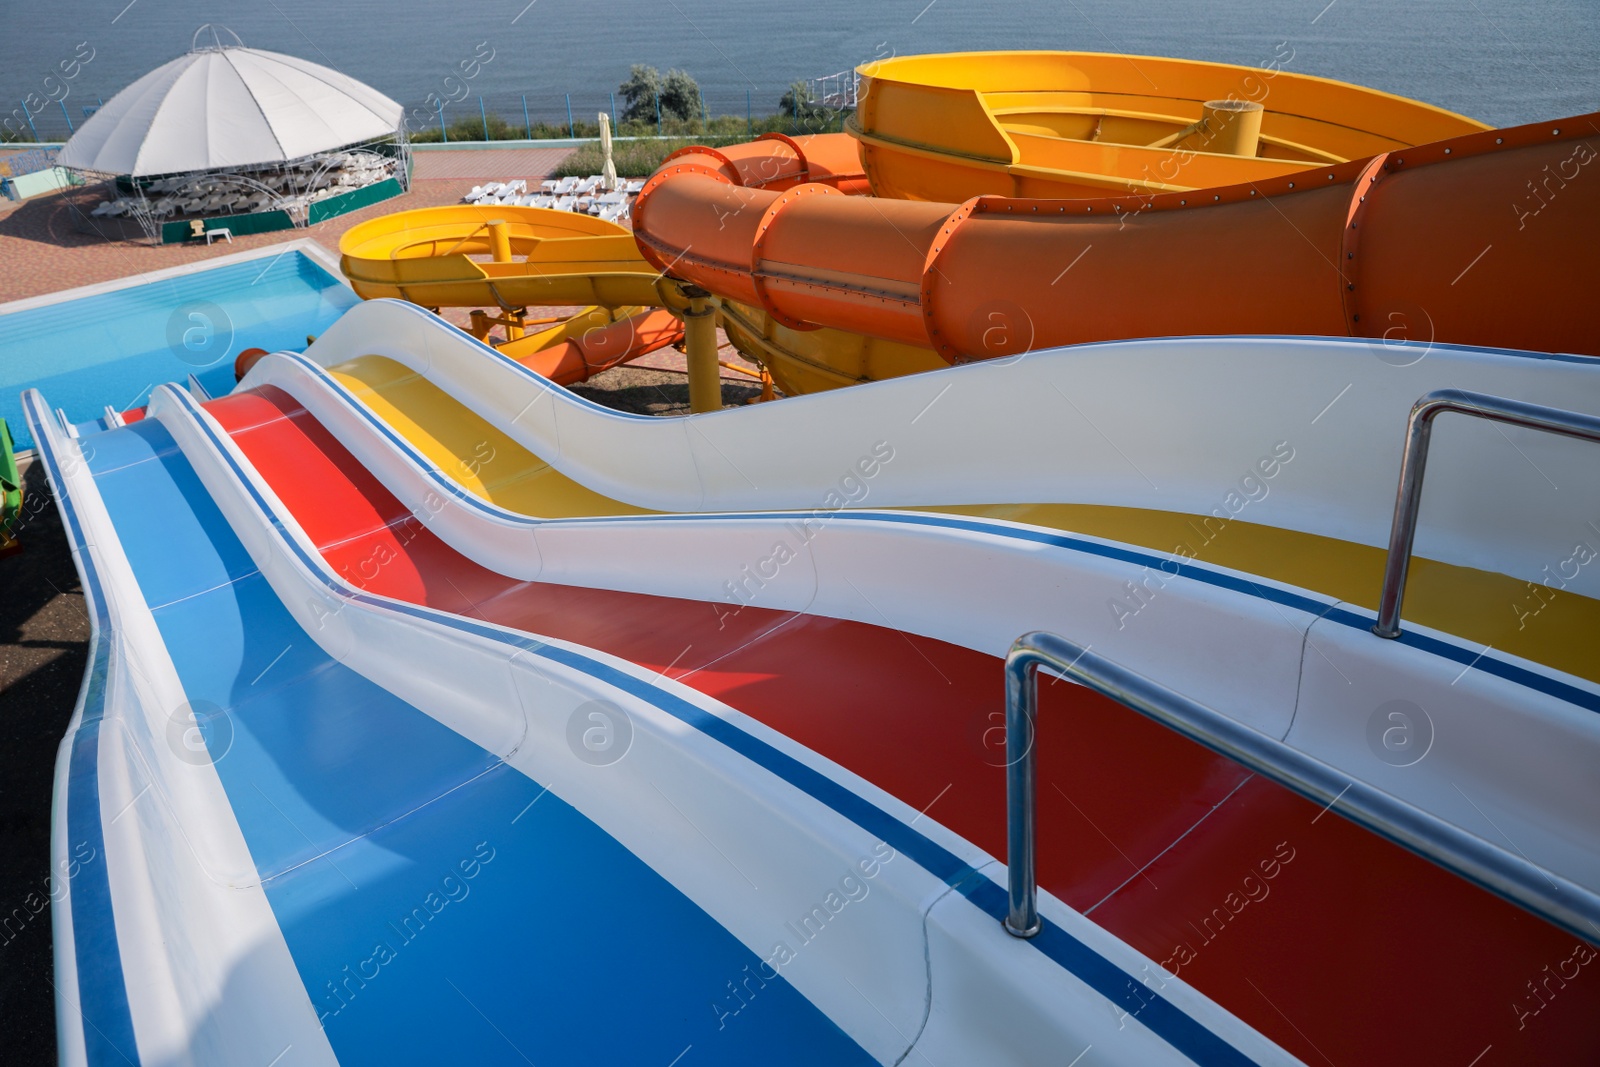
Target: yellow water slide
(940, 128)
(1089, 124)
(497, 256)
(489, 463)
(513, 258)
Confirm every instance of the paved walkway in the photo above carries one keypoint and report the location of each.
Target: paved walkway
(41, 251)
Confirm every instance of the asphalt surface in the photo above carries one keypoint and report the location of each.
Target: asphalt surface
(44, 634)
(646, 391)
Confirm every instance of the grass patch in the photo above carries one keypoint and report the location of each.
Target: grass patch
(634, 159)
(639, 159)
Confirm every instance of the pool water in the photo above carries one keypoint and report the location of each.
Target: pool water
(113, 348)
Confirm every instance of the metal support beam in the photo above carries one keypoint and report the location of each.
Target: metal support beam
(1548, 895)
(700, 344)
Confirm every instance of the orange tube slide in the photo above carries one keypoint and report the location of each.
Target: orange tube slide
(1486, 239)
(601, 347)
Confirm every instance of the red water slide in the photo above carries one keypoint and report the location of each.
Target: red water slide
(1336, 944)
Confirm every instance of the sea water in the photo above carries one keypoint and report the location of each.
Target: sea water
(1500, 61)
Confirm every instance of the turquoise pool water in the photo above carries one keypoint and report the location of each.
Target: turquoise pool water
(112, 349)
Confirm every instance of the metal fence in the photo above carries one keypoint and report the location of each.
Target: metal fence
(538, 113)
(29, 162)
(36, 118)
(545, 114)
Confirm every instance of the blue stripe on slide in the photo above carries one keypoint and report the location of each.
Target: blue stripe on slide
(1155, 1012)
(439, 905)
(1158, 1014)
(107, 1022)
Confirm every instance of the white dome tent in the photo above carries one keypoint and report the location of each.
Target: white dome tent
(227, 130)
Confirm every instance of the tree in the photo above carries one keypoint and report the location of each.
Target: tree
(680, 96)
(640, 92)
(799, 103)
(678, 92)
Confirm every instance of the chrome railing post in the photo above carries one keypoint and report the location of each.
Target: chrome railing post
(1546, 894)
(1403, 529)
(1022, 712)
(1408, 496)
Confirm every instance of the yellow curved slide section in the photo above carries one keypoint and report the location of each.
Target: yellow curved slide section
(1460, 600)
(513, 258)
(1074, 124)
(447, 257)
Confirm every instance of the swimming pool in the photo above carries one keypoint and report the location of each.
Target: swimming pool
(112, 348)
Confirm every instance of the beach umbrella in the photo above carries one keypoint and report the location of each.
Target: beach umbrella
(608, 170)
(221, 106)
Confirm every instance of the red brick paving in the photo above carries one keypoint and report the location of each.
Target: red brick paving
(41, 251)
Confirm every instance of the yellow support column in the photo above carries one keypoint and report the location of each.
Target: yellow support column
(700, 343)
(500, 240)
(1233, 127)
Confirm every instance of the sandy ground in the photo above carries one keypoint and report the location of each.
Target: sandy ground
(43, 626)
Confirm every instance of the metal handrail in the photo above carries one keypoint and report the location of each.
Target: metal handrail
(1547, 895)
(1408, 497)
